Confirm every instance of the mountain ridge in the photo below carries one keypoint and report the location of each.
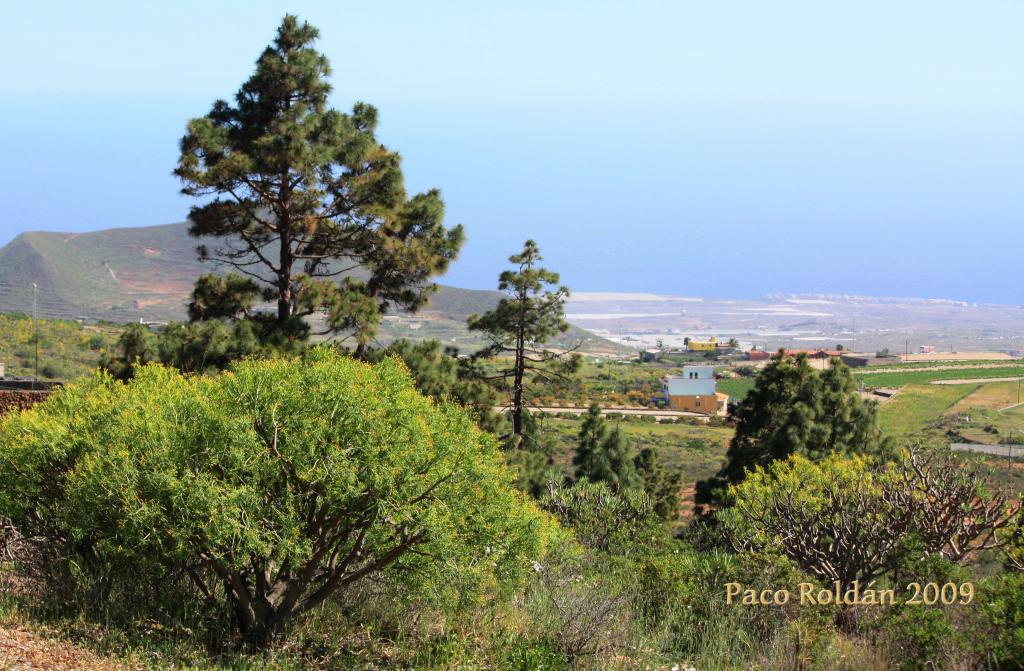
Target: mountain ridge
(148, 272)
(124, 274)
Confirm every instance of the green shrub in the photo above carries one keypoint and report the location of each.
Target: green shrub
(999, 634)
(534, 655)
(273, 486)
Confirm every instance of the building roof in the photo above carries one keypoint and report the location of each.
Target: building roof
(815, 353)
(721, 396)
(681, 386)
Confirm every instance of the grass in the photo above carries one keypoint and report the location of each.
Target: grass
(736, 387)
(971, 412)
(696, 450)
(994, 395)
(950, 363)
(919, 405)
(924, 376)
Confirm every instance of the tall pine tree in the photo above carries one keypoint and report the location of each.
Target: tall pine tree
(531, 313)
(305, 205)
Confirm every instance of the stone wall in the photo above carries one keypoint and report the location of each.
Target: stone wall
(12, 401)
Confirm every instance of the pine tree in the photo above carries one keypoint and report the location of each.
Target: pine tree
(593, 432)
(660, 483)
(136, 346)
(520, 325)
(623, 473)
(297, 195)
(794, 409)
(604, 456)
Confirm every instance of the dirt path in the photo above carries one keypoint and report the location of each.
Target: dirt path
(575, 410)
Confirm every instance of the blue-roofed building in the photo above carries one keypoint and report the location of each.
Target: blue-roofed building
(694, 391)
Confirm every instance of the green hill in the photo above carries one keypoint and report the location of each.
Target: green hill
(124, 274)
(127, 274)
(120, 274)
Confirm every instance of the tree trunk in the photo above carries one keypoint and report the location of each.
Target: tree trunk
(518, 374)
(285, 260)
(517, 398)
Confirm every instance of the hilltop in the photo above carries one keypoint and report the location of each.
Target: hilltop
(127, 274)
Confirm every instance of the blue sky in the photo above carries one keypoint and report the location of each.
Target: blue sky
(718, 148)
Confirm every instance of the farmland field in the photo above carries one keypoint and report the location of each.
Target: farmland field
(736, 387)
(994, 395)
(918, 405)
(899, 379)
(952, 363)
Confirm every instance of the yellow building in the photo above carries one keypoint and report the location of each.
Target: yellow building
(703, 345)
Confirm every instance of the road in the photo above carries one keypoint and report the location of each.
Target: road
(1008, 451)
(660, 414)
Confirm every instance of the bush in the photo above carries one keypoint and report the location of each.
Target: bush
(1001, 628)
(603, 519)
(584, 613)
(850, 519)
(273, 486)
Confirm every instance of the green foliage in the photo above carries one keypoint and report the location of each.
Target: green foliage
(136, 346)
(441, 374)
(851, 519)
(604, 519)
(302, 193)
(67, 348)
(523, 321)
(534, 656)
(203, 346)
(532, 457)
(660, 482)
(276, 485)
(1001, 632)
(604, 456)
(926, 636)
(794, 409)
(222, 297)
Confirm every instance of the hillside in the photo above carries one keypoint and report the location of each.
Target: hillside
(123, 274)
(127, 274)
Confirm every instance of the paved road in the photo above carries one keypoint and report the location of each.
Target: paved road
(1012, 451)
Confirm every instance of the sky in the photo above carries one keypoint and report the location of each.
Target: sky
(724, 148)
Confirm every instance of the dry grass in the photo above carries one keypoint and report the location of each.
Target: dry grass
(23, 648)
(995, 395)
